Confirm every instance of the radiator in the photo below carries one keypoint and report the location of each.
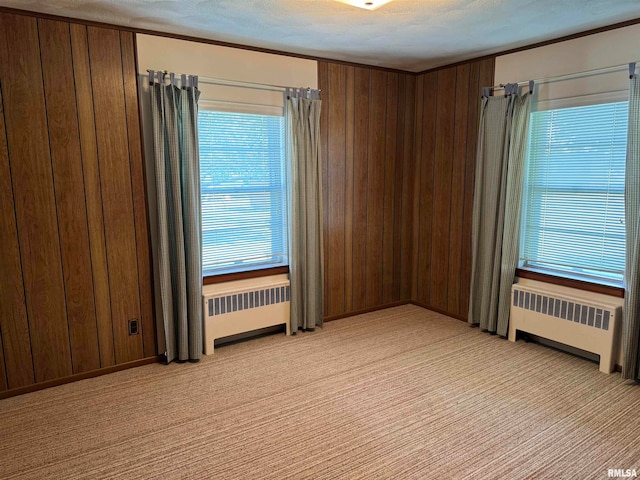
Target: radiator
(578, 322)
(244, 305)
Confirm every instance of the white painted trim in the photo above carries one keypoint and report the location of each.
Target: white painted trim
(581, 100)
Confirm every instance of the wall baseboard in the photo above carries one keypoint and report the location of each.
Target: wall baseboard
(366, 310)
(395, 304)
(80, 376)
(438, 310)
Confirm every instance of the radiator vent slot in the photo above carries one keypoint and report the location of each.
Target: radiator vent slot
(237, 302)
(562, 309)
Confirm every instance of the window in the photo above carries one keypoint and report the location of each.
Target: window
(573, 203)
(243, 182)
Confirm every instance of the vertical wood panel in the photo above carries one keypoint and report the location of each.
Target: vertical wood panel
(115, 180)
(360, 180)
(336, 186)
(399, 178)
(3, 371)
(31, 174)
(442, 171)
(469, 179)
(323, 84)
(57, 69)
(350, 105)
(460, 145)
(426, 176)
(16, 343)
(143, 245)
(93, 195)
(375, 194)
(487, 70)
(407, 244)
(390, 174)
(417, 275)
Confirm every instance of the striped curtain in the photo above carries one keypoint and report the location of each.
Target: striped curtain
(631, 308)
(175, 115)
(305, 222)
(502, 140)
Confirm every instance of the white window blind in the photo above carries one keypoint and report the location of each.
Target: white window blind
(243, 182)
(573, 204)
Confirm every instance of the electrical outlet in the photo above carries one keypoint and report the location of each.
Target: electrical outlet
(133, 327)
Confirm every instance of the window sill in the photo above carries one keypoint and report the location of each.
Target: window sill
(571, 282)
(230, 277)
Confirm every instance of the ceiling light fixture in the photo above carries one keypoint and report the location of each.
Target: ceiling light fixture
(366, 4)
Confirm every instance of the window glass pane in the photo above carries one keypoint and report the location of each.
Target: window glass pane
(243, 182)
(573, 204)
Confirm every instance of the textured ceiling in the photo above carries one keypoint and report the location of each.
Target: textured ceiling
(405, 34)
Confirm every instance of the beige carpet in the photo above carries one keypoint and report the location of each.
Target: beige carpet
(400, 393)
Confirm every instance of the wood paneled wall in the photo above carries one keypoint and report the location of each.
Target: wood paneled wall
(446, 124)
(73, 225)
(367, 144)
(398, 170)
(399, 164)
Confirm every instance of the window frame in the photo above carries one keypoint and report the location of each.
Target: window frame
(245, 274)
(565, 281)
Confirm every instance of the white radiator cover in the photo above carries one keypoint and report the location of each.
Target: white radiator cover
(589, 324)
(244, 305)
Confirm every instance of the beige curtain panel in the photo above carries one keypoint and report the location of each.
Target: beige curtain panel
(179, 259)
(305, 228)
(501, 153)
(631, 308)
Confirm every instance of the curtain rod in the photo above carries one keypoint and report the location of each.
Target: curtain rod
(569, 76)
(240, 84)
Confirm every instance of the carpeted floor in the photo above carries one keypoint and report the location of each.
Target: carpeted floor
(399, 393)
